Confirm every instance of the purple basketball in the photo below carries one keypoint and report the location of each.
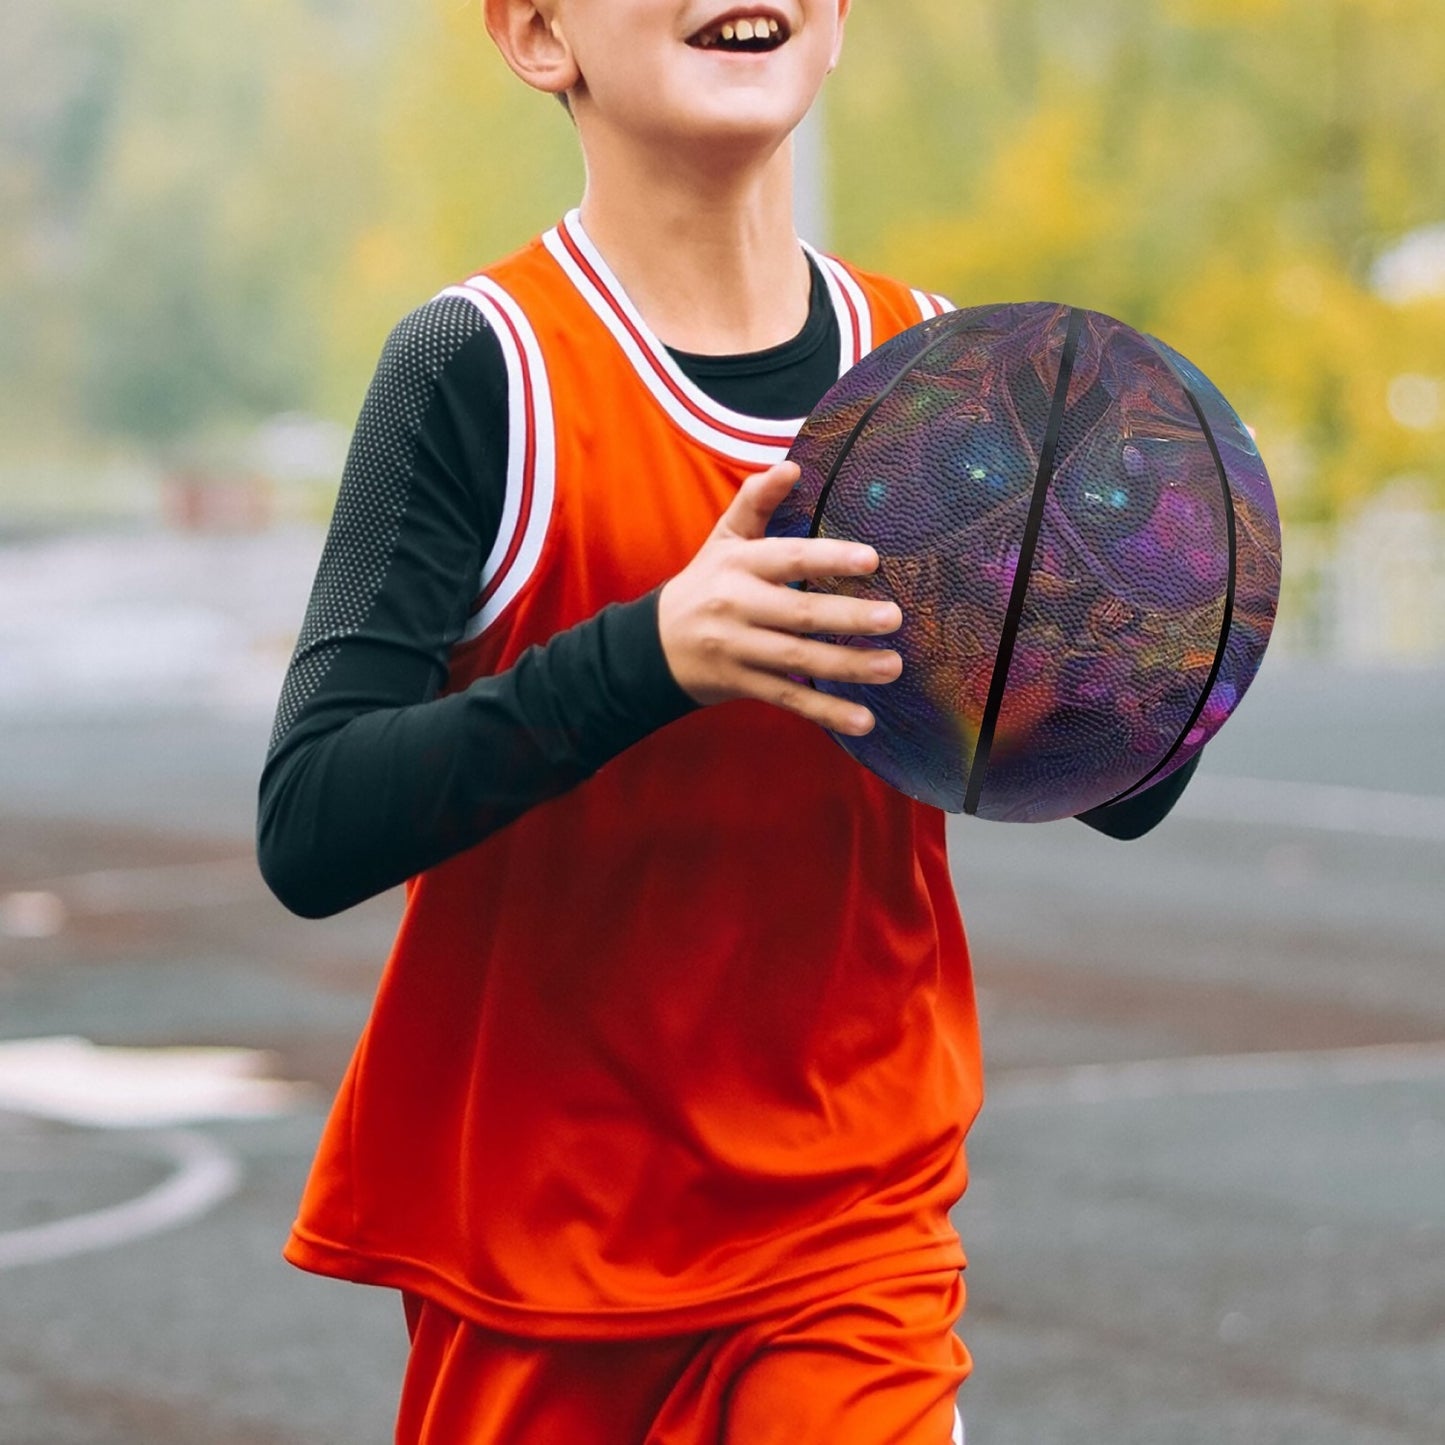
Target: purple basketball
(1083, 540)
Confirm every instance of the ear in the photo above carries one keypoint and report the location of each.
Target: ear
(532, 43)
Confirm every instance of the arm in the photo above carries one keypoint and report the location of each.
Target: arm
(370, 777)
(1137, 815)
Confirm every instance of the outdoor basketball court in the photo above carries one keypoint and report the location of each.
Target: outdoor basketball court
(1209, 1182)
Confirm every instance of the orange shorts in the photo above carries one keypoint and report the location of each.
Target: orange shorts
(880, 1366)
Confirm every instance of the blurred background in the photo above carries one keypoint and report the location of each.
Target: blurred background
(210, 218)
(211, 221)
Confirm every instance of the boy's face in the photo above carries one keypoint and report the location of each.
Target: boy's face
(680, 71)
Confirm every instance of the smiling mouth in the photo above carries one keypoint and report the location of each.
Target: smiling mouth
(745, 34)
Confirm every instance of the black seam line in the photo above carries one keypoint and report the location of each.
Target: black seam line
(1014, 615)
(817, 519)
(1228, 619)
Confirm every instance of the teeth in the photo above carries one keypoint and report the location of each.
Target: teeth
(751, 28)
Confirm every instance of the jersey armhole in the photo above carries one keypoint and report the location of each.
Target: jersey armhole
(531, 482)
(931, 305)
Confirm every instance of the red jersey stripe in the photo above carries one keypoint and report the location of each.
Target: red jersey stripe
(584, 265)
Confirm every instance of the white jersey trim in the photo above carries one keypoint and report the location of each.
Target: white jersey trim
(855, 319)
(531, 488)
(756, 440)
(930, 305)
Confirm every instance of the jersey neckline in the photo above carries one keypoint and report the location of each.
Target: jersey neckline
(744, 438)
(792, 352)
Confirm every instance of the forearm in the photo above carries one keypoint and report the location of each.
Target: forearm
(371, 777)
(1136, 816)
(352, 809)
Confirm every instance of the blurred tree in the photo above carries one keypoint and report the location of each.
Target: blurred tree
(209, 214)
(175, 216)
(217, 221)
(468, 164)
(1221, 172)
(58, 96)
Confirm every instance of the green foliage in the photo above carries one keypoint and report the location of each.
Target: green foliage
(1222, 173)
(177, 216)
(468, 165)
(208, 214)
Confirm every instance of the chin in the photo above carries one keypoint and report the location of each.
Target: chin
(733, 121)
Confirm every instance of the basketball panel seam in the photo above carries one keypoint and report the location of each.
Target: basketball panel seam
(1227, 620)
(1013, 615)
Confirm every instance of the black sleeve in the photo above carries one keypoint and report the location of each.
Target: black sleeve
(370, 777)
(1136, 816)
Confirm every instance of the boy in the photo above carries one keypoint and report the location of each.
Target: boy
(660, 1111)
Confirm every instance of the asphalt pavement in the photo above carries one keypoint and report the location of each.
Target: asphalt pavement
(1208, 1197)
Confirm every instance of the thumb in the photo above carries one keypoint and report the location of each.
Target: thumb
(758, 497)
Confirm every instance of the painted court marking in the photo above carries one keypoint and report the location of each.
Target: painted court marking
(1323, 807)
(1216, 1074)
(105, 1087)
(205, 1175)
(41, 911)
(75, 1081)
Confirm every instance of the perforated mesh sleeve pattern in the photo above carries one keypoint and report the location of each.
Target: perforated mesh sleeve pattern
(371, 777)
(375, 490)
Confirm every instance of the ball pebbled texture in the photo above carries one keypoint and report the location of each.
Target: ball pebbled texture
(1151, 591)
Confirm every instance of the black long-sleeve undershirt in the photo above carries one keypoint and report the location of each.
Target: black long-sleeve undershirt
(371, 777)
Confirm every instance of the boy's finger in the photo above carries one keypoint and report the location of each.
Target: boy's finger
(827, 711)
(801, 659)
(825, 614)
(802, 559)
(758, 497)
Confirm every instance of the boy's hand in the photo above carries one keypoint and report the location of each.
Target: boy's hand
(732, 627)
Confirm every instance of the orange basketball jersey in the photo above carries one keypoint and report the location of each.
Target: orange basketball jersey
(696, 1039)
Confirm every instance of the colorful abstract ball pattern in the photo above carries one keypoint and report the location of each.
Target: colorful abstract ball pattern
(1149, 528)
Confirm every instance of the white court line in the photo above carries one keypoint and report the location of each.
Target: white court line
(168, 885)
(205, 1175)
(1267, 802)
(1214, 1074)
(40, 910)
(106, 1086)
(1327, 807)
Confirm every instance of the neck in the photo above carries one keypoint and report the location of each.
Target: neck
(707, 253)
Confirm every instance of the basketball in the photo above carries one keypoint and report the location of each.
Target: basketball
(1083, 540)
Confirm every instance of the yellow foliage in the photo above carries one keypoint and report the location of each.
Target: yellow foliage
(1308, 356)
(278, 182)
(1041, 220)
(1221, 173)
(472, 164)
(1235, 14)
